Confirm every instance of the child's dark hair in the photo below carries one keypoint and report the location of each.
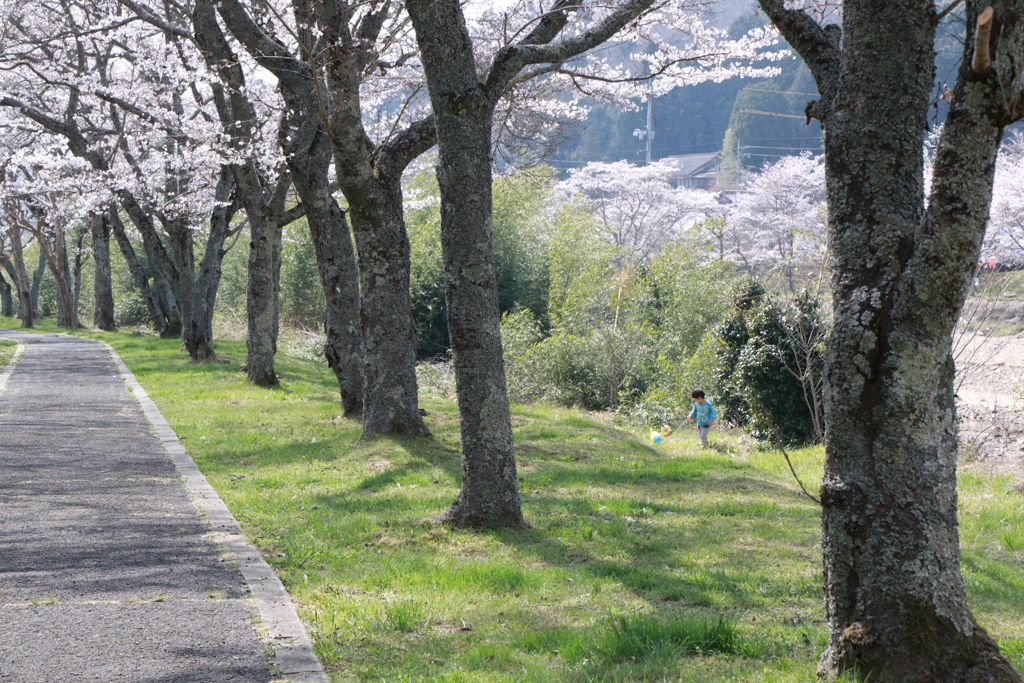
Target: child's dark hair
(697, 393)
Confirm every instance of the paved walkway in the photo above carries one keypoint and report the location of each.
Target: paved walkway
(106, 570)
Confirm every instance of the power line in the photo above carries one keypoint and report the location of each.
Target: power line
(773, 147)
(784, 92)
(771, 156)
(771, 113)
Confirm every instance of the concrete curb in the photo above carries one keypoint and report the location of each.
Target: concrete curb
(293, 649)
(5, 373)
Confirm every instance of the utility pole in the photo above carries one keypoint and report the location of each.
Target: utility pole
(647, 133)
(740, 170)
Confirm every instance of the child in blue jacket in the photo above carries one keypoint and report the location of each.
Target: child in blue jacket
(704, 414)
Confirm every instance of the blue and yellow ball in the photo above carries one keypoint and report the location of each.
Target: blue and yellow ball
(658, 437)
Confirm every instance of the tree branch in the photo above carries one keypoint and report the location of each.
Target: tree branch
(982, 62)
(291, 215)
(394, 156)
(46, 121)
(818, 45)
(154, 19)
(942, 15)
(511, 59)
(265, 49)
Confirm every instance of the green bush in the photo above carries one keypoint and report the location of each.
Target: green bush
(606, 368)
(731, 400)
(524, 376)
(669, 401)
(772, 360)
(302, 295)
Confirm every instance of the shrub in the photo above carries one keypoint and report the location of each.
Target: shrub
(774, 376)
(734, 335)
(524, 377)
(669, 400)
(602, 369)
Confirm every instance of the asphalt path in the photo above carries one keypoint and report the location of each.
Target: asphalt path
(107, 572)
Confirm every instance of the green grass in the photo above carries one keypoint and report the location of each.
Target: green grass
(643, 564)
(7, 349)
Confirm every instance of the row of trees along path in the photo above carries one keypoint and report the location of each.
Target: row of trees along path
(900, 266)
(187, 142)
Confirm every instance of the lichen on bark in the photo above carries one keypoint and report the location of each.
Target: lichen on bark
(895, 598)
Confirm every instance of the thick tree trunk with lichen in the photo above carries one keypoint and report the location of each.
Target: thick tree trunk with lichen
(372, 186)
(897, 609)
(390, 400)
(339, 278)
(388, 396)
(489, 495)
(308, 151)
(262, 292)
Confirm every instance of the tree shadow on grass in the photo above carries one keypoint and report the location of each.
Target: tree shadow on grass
(640, 553)
(991, 586)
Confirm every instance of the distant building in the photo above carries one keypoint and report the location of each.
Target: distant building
(694, 170)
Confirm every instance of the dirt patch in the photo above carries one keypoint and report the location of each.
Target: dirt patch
(990, 402)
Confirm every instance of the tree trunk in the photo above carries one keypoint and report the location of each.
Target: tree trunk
(37, 280)
(308, 153)
(339, 277)
(6, 302)
(897, 608)
(103, 290)
(79, 260)
(168, 303)
(390, 400)
(156, 311)
(490, 490)
(372, 186)
(197, 335)
(56, 258)
(160, 263)
(27, 310)
(181, 274)
(163, 289)
(261, 300)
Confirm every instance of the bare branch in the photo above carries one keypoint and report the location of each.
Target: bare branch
(982, 62)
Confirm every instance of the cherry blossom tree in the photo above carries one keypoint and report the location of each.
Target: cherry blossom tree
(69, 74)
(1004, 239)
(780, 214)
(321, 53)
(140, 103)
(28, 208)
(466, 84)
(637, 207)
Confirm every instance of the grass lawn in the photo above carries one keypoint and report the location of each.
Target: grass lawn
(643, 564)
(7, 349)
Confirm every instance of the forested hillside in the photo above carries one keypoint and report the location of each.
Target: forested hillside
(766, 116)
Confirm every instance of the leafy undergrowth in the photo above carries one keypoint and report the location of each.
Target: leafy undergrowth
(643, 564)
(7, 349)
